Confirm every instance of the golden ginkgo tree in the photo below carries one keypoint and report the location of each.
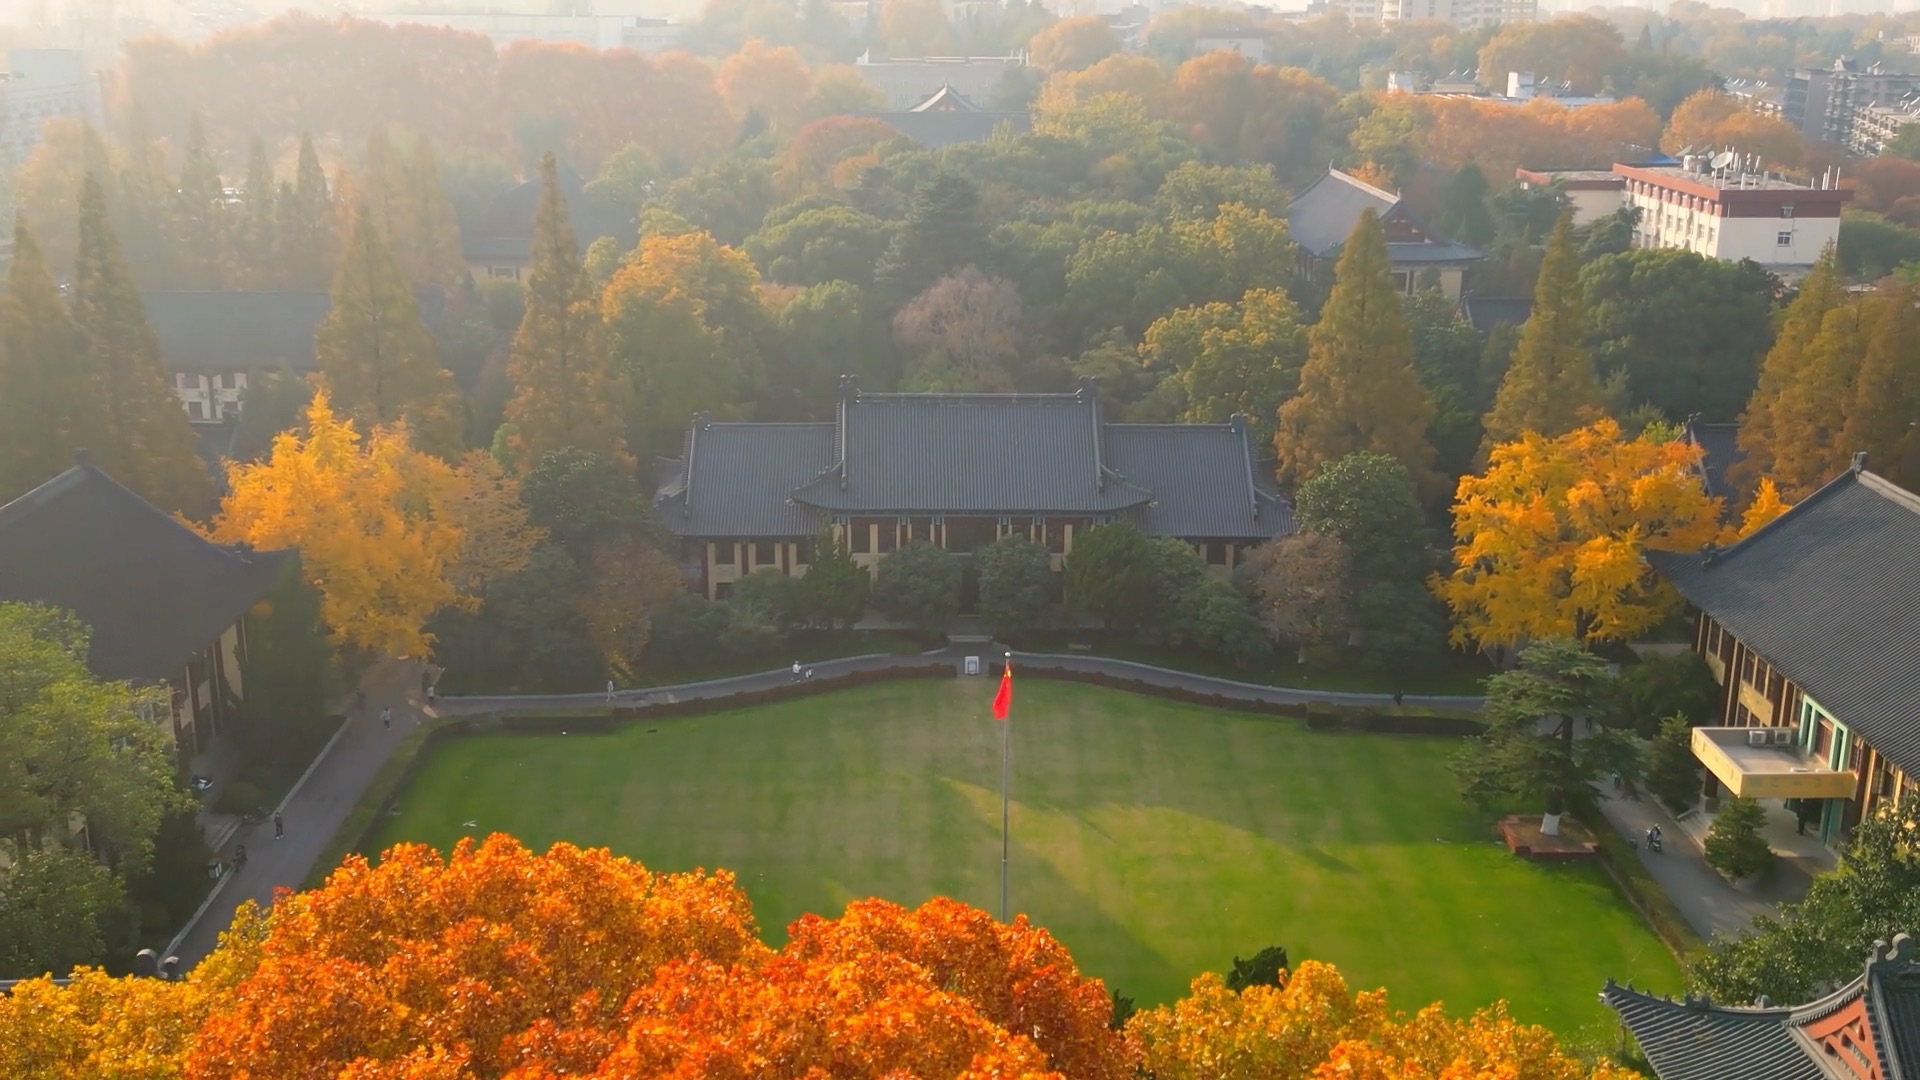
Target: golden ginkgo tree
(389, 534)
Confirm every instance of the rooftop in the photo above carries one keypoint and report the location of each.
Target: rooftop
(239, 330)
(1829, 594)
(1322, 217)
(1754, 764)
(154, 592)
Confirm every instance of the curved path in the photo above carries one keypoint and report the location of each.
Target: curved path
(323, 799)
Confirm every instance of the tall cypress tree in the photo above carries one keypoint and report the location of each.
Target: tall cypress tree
(146, 441)
(259, 220)
(46, 401)
(1886, 394)
(1808, 417)
(941, 233)
(1358, 388)
(1822, 290)
(198, 212)
(436, 230)
(380, 361)
(305, 229)
(1549, 386)
(566, 392)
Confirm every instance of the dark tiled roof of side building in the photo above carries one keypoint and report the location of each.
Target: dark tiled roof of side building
(237, 330)
(1204, 479)
(1484, 313)
(1322, 217)
(935, 129)
(1720, 446)
(742, 479)
(1829, 594)
(1693, 1039)
(153, 591)
(971, 453)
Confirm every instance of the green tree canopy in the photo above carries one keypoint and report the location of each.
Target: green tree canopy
(1017, 584)
(48, 405)
(920, 584)
(1109, 575)
(1549, 386)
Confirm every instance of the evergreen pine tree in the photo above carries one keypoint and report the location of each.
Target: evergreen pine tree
(1886, 394)
(380, 362)
(142, 207)
(1807, 420)
(436, 228)
(1549, 386)
(259, 219)
(46, 403)
(1358, 388)
(146, 441)
(305, 231)
(198, 209)
(941, 233)
(1821, 291)
(566, 392)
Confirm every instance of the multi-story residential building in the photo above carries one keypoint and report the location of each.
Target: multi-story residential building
(907, 82)
(634, 32)
(1877, 125)
(1322, 217)
(1825, 104)
(1464, 14)
(39, 85)
(1812, 627)
(959, 471)
(1718, 206)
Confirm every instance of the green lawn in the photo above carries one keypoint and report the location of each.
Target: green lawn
(1155, 839)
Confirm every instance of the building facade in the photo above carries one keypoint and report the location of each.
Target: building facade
(1728, 212)
(500, 243)
(41, 84)
(1826, 103)
(959, 471)
(1322, 217)
(166, 607)
(1463, 14)
(1811, 626)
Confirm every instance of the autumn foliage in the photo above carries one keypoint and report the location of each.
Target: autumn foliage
(499, 962)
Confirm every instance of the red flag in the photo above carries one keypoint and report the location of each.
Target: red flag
(1003, 701)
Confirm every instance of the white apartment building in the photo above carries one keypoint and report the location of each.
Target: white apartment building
(39, 85)
(1725, 212)
(1464, 14)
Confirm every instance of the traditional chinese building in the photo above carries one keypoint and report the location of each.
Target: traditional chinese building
(960, 471)
(1868, 1029)
(1322, 217)
(165, 605)
(1811, 625)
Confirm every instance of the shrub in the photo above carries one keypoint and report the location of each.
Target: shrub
(242, 799)
(1016, 584)
(1735, 844)
(1265, 969)
(919, 584)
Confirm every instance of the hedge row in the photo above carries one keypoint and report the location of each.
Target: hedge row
(1318, 716)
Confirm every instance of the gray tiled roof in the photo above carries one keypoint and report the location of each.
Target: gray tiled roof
(971, 453)
(154, 592)
(1693, 1040)
(1204, 480)
(1721, 446)
(504, 232)
(222, 331)
(935, 129)
(742, 479)
(1322, 217)
(1484, 313)
(1829, 593)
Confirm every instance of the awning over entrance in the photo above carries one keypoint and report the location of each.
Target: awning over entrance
(1766, 763)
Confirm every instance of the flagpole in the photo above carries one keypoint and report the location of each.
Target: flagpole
(1006, 817)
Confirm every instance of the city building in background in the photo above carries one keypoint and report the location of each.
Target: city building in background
(1827, 104)
(39, 85)
(1464, 14)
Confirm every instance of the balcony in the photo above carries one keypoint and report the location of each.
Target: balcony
(1766, 763)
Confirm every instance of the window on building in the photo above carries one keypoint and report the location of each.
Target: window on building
(1783, 239)
(889, 535)
(860, 538)
(1020, 526)
(920, 528)
(1786, 210)
(502, 272)
(765, 553)
(1053, 533)
(196, 410)
(802, 552)
(723, 553)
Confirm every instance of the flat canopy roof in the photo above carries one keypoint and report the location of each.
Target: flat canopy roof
(1769, 770)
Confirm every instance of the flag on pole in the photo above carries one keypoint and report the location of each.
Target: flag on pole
(1003, 701)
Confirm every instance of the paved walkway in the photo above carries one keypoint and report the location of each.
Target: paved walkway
(1710, 903)
(317, 806)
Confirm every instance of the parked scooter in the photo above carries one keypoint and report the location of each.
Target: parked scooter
(1653, 838)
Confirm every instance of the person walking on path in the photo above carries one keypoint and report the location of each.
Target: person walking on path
(796, 671)
(279, 827)
(609, 690)
(386, 718)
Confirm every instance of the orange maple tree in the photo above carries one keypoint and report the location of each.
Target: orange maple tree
(494, 961)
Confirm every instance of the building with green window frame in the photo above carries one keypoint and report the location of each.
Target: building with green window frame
(1811, 625)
